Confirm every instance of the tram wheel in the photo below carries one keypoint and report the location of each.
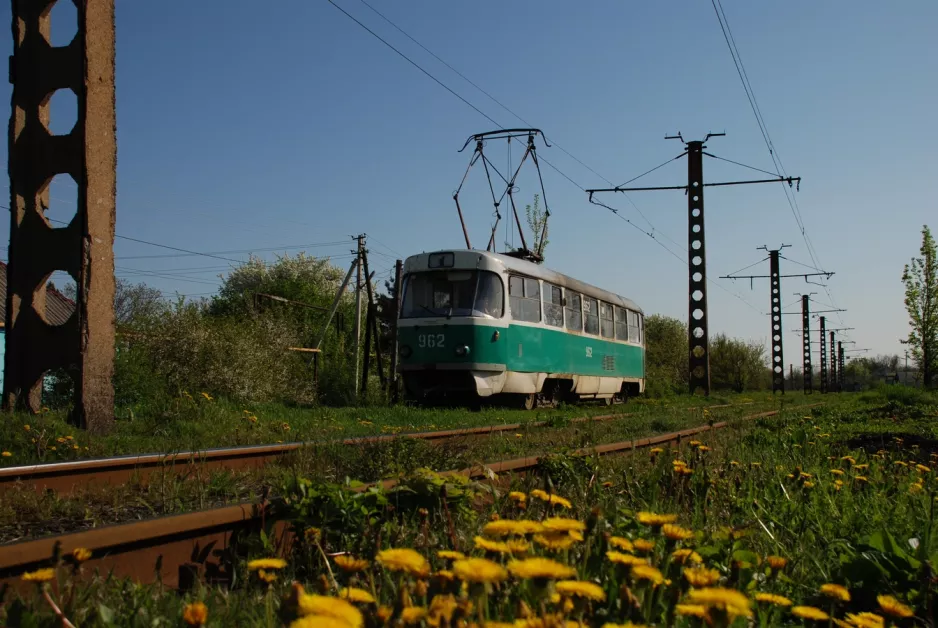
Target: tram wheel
(529, 402)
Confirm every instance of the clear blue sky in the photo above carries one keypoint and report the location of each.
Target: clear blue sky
(248, 128)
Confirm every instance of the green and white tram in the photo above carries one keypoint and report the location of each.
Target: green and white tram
(478, 325)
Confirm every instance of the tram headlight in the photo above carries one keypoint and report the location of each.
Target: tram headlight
(405, 351)
(462, 351)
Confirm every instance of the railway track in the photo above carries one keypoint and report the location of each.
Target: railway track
(64, 477)
(200, 545)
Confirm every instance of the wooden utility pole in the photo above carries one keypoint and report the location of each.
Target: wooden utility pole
(358, 307)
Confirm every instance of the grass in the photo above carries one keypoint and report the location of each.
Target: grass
(25, 513)
(199, 422)
(794, 487)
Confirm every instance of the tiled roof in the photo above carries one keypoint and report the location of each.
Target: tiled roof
(58, 306)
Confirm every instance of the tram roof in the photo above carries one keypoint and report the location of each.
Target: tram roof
(524, 267)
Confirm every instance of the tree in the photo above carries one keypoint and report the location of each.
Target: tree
(921, 301)
(736, 364)
(666, 357)
(133, 302)
(537, 221)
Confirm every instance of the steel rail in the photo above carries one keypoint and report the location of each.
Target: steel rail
(202, 544)
(65, 477)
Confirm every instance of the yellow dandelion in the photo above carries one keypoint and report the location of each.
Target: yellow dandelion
(5, 454)
(357, 596)
(901, 463)
(865, 620)
(479, 570)
(559, 524)
(892, 606)
(837, 472)
(628, 560)
(849, 459)
(916, 487)
(655, 520)
(517, 496)
(350, 564)
(40, 575)
(267, 563)
(703, 448)
(861, 467)
(26, 428)
(621, 543)
(694, 443)
(266, 576)
(701, 576)
(808, 484)
(384, 613)
(836, 591)
(540, 568)
(923, 468)
(81, 554)
(686, 555)
(771, 598)
(691, 610)
(331, 607)
(676, 533)
(450, 555)
(656, 450)
(647, 572)
(557, 541)
(809, 612)
(404, 559)
(506, 527)
(861, 479)
(581, 588)
(195, 614)
(643, 545)
(776, 562)
(729, 600)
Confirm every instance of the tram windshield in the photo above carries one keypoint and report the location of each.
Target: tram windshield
(453, 293)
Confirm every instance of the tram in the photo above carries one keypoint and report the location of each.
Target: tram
(475, 325)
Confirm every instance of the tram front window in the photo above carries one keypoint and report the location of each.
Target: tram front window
(452, 293)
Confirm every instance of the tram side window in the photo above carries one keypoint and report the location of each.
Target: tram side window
(622, 324)
(573, 312)
(524, 299)
(605, 322)
(634, 327)
(553, 305)
(591, 314)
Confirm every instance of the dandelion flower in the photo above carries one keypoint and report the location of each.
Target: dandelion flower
(479, 570)
(506, 527)
(647, 572)
(694, 443)
(676, 533)
(849, 459)
(559, 524)
(923, 468)
(81, 554)
(543, 568)
(350, 564)
(837, 472)
(901, 463)
(771, 598)
(862, 479)
(892, 606)
(404, 559)
(703, 448)
(450, 555)
(729, 600)
(691, 610)
(581, 588)
(865, 620)
(358, 596)
(621, 543)
(5, 454)
(836, 591)
(517, 496)
(701, 576)
(40, 575)
(267, 563)
(625, 559)
(643, 545)
(809, 612)
(655, 520)
(195, 614)
(555, 542)
(776, 562)
(685, 555)
(656, 450)
(266, 576)
(333, 607)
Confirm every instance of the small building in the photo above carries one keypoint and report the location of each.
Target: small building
(58, 310)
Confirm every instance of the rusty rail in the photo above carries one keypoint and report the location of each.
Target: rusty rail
(65, 477)
(202, 544)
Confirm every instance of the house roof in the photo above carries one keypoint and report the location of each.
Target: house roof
(58, 306)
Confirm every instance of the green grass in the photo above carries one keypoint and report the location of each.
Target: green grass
(764, 487)
(184, 423)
